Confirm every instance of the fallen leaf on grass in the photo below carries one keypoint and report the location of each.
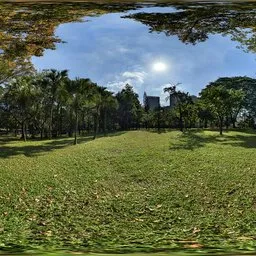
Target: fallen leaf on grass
(193, 246)
(138, 220)
(48, 233)
(186, 242)
(244, 238)
(196, 230)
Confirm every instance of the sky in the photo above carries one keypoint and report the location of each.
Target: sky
(113, 51)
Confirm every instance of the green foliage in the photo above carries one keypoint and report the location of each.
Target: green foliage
(129, 111)
(222, 101)
(20, 100)
(51, 104)
(245, 84)
(193, 23)
(183, 104)
(27, 30)
(204, 113)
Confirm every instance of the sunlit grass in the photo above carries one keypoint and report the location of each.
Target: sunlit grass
(133, 191)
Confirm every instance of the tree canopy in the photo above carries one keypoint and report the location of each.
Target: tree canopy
(49, 104)
(27, 30)
(193, 23)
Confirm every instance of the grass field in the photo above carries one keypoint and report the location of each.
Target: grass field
(131, 191)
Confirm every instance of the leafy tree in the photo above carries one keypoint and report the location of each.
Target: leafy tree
(129, 110)
(54, 86)
(248, 86)
(81, 93)
(108, 104)
(193, 23)
(183, 103)
(20, 101)
(27, 30)
(204, 113)
(221, 101)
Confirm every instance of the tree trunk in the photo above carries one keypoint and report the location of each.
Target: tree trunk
(96, 126)
(51, 121)
(105, 123)
(24, 136)
(233, 120)
(70, 130)
(227, 123)
(205, 123)
(181, 122)
(76, 128)
(41, 133)
(60, 122)
(88, 124)
(158, 121)
(221, 126)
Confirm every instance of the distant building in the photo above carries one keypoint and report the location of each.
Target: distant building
(151, 102)
(194, 98)
(174, 100)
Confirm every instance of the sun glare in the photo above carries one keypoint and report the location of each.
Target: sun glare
(159, 66)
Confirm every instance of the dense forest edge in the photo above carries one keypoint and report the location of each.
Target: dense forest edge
(49, 105)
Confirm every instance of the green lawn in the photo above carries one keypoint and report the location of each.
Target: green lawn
(133, 191)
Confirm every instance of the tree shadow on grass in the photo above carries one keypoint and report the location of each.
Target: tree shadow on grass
(162, 130)
(9, 149)
(5, 139)
(246, 141)
(191, 140)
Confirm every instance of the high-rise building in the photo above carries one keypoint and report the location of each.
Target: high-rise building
(151, 102)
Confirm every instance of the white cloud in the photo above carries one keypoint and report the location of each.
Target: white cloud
(116, 86)
(123, 49)
(134, 78)
(137, 76)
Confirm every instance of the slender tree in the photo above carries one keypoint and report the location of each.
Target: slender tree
(82, 92)
(183, 102)
(54, 82)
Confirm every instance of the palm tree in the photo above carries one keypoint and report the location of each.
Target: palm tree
(181, 101)
(54, 82)
(99, 102)
(172, 91)
(107, 104)
(104, 102)
(21, 102)
(82, 92)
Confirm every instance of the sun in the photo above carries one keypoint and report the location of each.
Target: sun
(159, 66)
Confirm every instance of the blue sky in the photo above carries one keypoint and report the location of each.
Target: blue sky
(113, 51)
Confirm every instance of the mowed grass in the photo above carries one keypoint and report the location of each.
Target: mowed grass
(131, 191)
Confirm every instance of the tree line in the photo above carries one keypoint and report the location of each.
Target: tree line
(49, 104)
(226, 102)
